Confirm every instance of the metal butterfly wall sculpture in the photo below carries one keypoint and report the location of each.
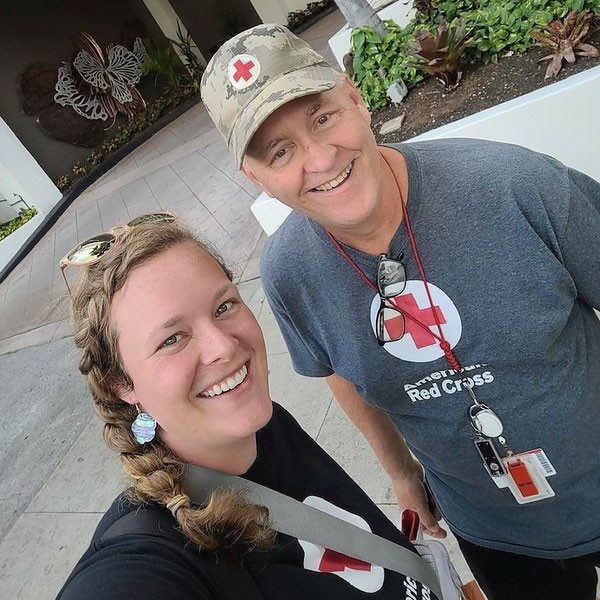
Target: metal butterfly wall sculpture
(99, 84)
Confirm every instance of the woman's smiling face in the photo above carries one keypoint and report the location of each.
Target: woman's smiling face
(195, 354)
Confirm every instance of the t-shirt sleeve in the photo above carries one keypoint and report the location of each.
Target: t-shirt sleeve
(580, 241)
(307, 358)
(127, 568)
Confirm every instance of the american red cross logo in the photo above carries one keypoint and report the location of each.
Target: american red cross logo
(336, 562)
(242, 70)
(420, 336)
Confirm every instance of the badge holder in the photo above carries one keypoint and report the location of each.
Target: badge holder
(525, 473)
(526, 480)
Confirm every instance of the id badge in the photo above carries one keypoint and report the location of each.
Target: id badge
(526, 478)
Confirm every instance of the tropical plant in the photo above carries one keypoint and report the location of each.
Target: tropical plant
(424, 7)
(379, 62)
(181, 68)
(189, 53)
(501, 26)
(162, 60)
(497, 27)
(565, 38)
(439, 55)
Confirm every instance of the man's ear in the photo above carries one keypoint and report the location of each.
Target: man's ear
(253, 178)
(357, 99)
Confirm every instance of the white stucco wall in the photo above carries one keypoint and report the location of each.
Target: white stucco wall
(276, 12)
(20, 173)
(168, 21)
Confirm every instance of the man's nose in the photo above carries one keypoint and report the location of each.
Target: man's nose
(319, 156)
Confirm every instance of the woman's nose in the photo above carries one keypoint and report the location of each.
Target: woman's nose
(216, 345)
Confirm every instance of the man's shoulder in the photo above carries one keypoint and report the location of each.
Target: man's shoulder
(295, 240)
(476, 155)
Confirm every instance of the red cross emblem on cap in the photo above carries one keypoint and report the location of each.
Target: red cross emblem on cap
(243, 70)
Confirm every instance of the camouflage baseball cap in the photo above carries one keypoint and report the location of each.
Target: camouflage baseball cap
(253, 74)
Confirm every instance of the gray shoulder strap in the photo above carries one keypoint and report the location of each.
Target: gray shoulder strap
(293, 518)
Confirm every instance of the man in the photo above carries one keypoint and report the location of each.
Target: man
(446, 291)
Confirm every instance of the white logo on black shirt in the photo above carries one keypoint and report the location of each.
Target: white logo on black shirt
(362, 575)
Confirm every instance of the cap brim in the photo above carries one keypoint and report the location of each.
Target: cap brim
(287, 87)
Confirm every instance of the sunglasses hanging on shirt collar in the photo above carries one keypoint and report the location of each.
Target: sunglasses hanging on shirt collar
(391, 282)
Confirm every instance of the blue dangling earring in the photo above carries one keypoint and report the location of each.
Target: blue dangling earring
(144, 427)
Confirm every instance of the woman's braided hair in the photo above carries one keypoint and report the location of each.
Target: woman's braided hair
(227, 519)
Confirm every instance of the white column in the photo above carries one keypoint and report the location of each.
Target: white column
(21, 174)
(168, 21)
(276, 12)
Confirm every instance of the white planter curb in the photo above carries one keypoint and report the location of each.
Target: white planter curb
(11, 244)
(560, 119)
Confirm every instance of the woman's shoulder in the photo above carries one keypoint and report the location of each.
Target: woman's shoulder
(137, 565)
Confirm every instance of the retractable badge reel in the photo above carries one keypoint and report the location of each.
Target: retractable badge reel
(525, 473)
(488, 425)
(485, 421)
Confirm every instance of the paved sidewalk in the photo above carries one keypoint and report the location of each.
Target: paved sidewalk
(184, 168)
(56, 475)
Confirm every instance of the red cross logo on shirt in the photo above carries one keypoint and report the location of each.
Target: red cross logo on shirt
(242, 70)
(420, 336)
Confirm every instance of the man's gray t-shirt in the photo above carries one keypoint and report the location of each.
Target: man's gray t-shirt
(509, 240)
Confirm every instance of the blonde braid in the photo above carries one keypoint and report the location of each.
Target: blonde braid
(227, 519)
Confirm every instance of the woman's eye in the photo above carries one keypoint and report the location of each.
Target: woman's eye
(226, 306)
(171, 340)
(323, 119)
(280, 153)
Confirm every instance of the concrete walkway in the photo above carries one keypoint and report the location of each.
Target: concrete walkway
(56, 475)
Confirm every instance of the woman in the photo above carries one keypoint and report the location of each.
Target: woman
(166, 339)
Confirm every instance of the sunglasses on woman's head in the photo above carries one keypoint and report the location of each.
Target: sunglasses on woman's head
(93, 249)
(390, 324)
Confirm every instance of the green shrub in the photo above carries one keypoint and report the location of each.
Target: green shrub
(495, 26)
(379, 62)
(500, 26)
(11, 226)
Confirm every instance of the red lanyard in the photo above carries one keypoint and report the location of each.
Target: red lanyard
(444, 345)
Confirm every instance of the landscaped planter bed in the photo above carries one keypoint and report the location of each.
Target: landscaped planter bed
(429, 106)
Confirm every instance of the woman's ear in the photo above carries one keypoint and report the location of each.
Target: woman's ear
(125, 391)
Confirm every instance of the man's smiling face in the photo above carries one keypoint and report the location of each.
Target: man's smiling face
(317, 155)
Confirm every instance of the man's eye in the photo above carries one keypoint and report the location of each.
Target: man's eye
(323, 119)
(225, 307)
(280, 153)
(171, 340)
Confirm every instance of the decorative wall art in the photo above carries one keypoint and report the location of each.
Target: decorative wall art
(74, 100)
(100, 84)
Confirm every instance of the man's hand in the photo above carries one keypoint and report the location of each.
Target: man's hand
(405, 472)
(411, 493)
